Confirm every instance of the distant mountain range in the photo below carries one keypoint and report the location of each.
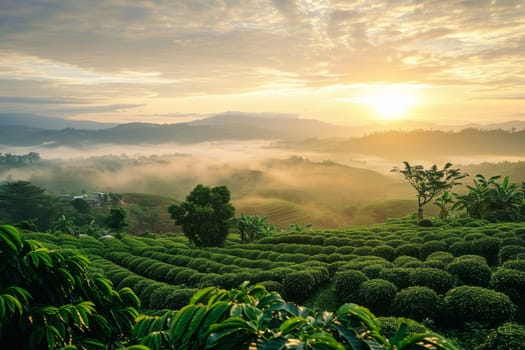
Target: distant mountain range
(34, 130)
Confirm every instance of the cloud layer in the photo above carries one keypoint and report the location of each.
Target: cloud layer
(308, 57)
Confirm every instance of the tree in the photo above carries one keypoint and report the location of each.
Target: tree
(488, 199)
(116, 220)
(429, 183)
(80, 205)
(204, 214)
(21, 200)
(251, 227)
(52, 299)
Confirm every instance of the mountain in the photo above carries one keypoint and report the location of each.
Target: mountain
(49, 123)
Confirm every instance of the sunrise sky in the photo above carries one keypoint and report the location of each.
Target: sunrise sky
(345, 62)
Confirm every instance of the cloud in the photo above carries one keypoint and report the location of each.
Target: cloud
(152, 51)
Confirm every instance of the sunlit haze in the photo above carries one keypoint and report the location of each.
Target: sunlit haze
(173, 61)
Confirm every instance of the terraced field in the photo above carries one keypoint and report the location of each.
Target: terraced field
(397, 268)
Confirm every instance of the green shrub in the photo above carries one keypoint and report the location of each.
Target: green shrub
(511, 241)
(510, 282)
(477, 304)
(470, 272)
(508, 336)
(439, 280)
(509, 252)
(347, 284)
(472, 236)
(417, 303)
(272, 286)
(414, 264)
(488, 248)
(373, 271)
(297, 285)
(390, 325)
(511, 264)
(179, 298)
(362, 251)
(378, 295)
(385, 252)
(430, 247)
(460, 248)
(394, 243)
(402, 260)
(399, 276)
(409, 249)
(425, 223)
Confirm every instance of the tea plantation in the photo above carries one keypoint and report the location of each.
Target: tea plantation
(465, 279)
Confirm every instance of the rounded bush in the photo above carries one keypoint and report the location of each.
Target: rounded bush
(402, 260)
(297, 285)
(430, 247)
(362, 251)
(410, 249)
(509, 251)
(511, 241)
(509, 264)
(425, 223)
(390, 325)
(460, 248)
(399, 276)
(272, 286)
(510, 282)
(394, 243)
(347, 284)
(470, 272)
(441, 256)
(488, 248)
(439, 280)
(417, 303)
(414, 264)
(377, 295)
(179, 298)
(385, 252)
(373, 271)
(477, 304)
(508, 336)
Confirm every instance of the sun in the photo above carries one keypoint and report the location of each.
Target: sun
(391, 103)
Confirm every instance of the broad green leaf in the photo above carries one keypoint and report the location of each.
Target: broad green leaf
(292, 324)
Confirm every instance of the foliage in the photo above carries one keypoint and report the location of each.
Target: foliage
(470, 303)
(508, 336)
(250, 317)
(437, 279)
(116, 219)
(417, 303)
(347, 284)
(471, 272)
(510, 282)
(377, 294)
(444, 203)
(252, 227)
(490, 200)
(429, 183)
(51, 299)
(203, 215)
(297, 285)
(22, 201)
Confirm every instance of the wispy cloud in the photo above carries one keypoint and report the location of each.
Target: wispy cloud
(160, 53)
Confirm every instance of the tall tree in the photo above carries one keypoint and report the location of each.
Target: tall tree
(203, 215)
(116, 219)
(429, 183)
(21, 200)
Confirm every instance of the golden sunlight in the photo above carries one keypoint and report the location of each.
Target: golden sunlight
(391, 103)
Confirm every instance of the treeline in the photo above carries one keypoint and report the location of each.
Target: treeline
(14, 160)
(420, 143)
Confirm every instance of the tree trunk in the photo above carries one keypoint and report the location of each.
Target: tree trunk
(420, 213)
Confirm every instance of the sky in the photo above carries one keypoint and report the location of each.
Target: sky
(345, 62)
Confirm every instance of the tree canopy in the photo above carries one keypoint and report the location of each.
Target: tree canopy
(203, 215)
(429, 183)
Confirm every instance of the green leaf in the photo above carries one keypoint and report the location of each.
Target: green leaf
(292, 324)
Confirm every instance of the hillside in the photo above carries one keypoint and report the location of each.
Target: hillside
(436, 262)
